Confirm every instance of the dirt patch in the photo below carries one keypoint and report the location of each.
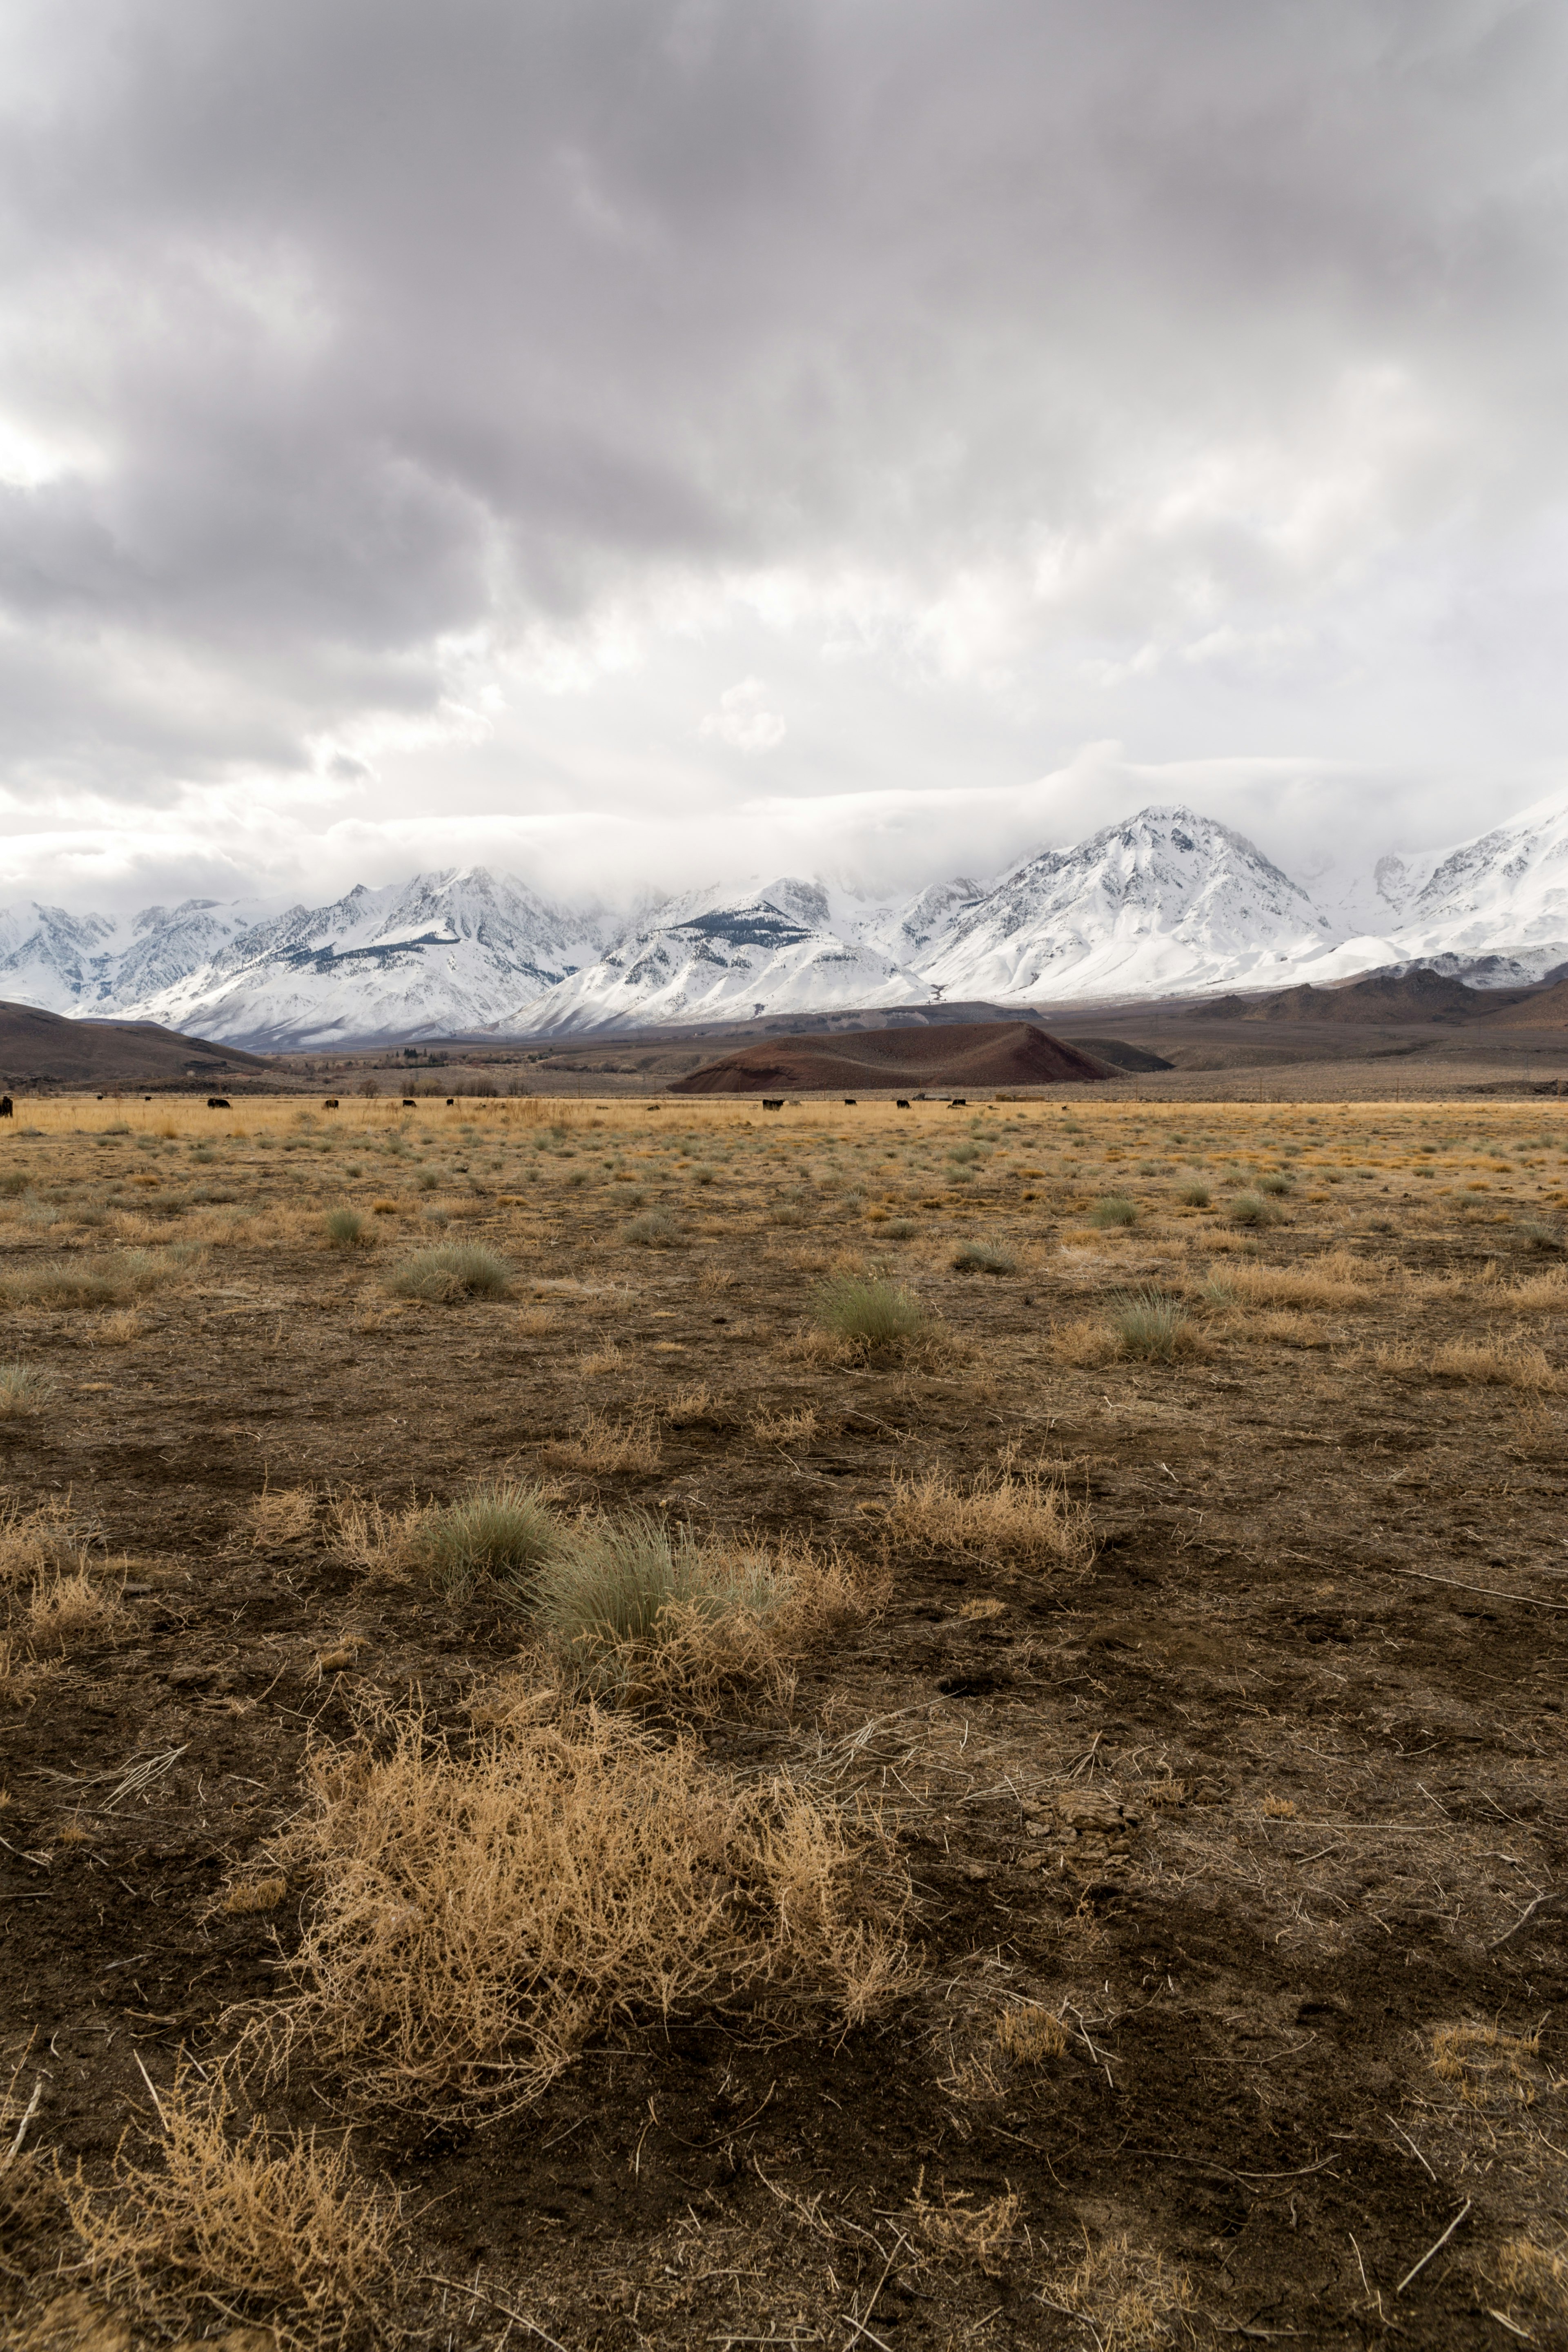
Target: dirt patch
(1209, 1708)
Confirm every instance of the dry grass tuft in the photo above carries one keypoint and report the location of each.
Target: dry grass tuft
(1336, 1279)
(1278, 1809)
(286, 2229)
(605, 1447)
(280, 1516)
(1028, 2036)
(1497, 1361)
(1285, 1329)
(250, 1895)
(796, 1428)
(1021, 1513)
(1131, 2297)
(119, 1329)
(72, 1606)
(1537, 2274)
(977, 2233)
(1541, 1293)
(373, 1538)
(480, 1915)
(1085, 1341)
(1482, 2059)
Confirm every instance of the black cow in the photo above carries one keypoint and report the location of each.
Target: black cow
(408, 1102)
(850, 1102)
(219, 1102)
(773, 1103)
(330, 1103)
(902, 1104)
(6, 1111)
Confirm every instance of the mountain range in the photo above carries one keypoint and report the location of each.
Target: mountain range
(1165, 902)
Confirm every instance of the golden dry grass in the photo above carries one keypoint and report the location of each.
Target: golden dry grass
(478, 1915)
(1023, 1514)
(283, 2228)
(794, 1428)
(65, 1609)
(1498, 1361)
(1538, 2275)
(953, 2224)
(1028, 2035)
(603, 1447)
(281, 1515)
(1336, 1279)
(1131, 2297)
(250, 1895)
(1085, 1341)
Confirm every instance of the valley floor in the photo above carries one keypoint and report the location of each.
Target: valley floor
(1172, 1945)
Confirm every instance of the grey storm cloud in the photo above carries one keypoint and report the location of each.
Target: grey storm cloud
(1164, 370)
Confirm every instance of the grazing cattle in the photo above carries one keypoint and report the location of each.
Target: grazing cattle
(450, 1099)
(850, 1102)
(959, 1102)
(902, 1104)
(330, 1103)
(408, 1102)
(771, 1102)
(217, 1102)
(5, 1110)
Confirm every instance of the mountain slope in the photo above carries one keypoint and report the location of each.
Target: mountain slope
(1167, 900)
(445, 953)
(774, 949)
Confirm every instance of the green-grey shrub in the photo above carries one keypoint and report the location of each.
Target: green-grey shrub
(67, 1282)
(1116, 1209)
(1148, 1324)
(1194, 1196)
(1274, 1184)
(875, 1314)
(900, 1229)
(14, 1183)
(609, 1583)
(22, 1385)
(344, 1228)
(982, 1257)
(1252, 1209)
(503, 1532)
(1539, 1236)
(452, 1271)
(657, 1229)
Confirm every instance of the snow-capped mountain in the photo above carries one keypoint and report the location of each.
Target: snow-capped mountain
(1167, 900)
(51, 959)
(1504, 894)
(1164, 902)
(772, 947)
(446, 951)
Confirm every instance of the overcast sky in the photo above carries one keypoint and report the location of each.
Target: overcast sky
(634, 442)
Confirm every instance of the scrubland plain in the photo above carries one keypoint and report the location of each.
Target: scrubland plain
(638, 1725)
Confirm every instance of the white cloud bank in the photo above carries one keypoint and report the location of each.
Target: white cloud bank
(413, 426)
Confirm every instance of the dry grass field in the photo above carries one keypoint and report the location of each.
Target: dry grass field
(652, 1724)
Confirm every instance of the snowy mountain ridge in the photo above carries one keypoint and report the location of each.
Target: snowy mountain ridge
(1162, 902)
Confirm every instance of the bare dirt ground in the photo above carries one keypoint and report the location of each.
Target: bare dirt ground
(1233, 1840)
